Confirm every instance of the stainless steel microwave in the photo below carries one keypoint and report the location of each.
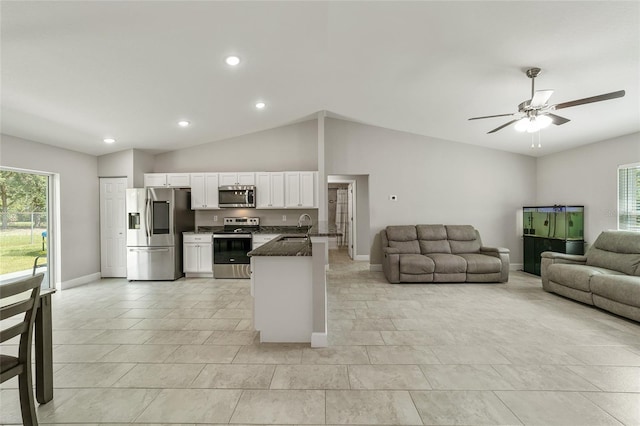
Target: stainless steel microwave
(241, 196)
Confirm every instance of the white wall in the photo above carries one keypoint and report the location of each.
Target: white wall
(587, 176)
(292, 147)
(436, 181)
(79, 200)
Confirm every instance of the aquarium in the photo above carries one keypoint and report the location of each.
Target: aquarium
(556, 222)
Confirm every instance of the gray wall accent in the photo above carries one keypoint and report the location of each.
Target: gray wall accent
(117, 164)
(142, 163)
(79, 199)
(292, 147)
(436, 181)
(587, 176)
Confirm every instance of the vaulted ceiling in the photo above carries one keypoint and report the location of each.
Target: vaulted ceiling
(74, 73)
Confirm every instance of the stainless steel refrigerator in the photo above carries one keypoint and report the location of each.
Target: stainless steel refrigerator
(156, 219)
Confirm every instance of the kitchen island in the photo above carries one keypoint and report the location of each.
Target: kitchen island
(288, 285)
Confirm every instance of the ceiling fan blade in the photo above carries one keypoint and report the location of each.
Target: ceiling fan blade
(605, 97)
(491, 116)
(503, 126)
(557, 120)
(540, 98)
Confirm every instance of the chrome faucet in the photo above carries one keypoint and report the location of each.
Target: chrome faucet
(302, 217)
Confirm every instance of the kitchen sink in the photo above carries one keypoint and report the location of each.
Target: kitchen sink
(293, 239)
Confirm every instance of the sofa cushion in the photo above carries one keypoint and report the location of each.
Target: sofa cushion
(431, 232)
(448, 263)
(575, 276)
(402, 233)
(407, 247)
(463, 239)
(617, 250)
(481, 263)
(441, 246)
(621, 288)
(416, 264)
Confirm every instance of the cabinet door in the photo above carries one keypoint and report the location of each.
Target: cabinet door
(178, 180)
(277, 190)
(205, 258)
(198, 197)
(292, 189)
(190, 258)
(263, 190)
(211, 190)
(246, 178)
(307, 189)
(155, 179)
(228, 178)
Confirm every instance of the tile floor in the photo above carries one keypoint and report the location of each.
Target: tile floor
(459, 354)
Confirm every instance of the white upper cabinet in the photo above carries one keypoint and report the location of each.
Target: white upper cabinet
(167, 180)
(204, 191)
(269, 190)
(301, 189)
(242, 178)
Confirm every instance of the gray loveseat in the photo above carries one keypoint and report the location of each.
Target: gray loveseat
(607, 276)
(440, 253)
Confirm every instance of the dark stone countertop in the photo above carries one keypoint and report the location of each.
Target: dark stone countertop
(320, 229)
(300, 246)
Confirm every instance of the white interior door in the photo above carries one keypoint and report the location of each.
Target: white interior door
(113, 213)
(350, 223)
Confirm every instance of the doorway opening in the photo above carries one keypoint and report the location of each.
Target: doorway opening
(341, 194)
(26, 231)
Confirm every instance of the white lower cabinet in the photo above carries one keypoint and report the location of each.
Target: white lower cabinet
(198, 255)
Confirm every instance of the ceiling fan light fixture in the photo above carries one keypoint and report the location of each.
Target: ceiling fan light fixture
(522, 125)
(543, 121)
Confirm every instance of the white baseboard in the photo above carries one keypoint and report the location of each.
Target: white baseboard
(375, 267)
(80, 281)
(361, 257)
(515, 266)
(319, 340)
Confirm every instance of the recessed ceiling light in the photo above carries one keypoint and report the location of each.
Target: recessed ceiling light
(260, 105)
(183, 123)
(232, 60)
(109, 140)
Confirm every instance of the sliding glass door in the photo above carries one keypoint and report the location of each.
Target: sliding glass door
(24, 224)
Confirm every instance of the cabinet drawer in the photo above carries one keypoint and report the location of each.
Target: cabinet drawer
(198, 238)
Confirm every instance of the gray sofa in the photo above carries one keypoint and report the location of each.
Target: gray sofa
(607, 276)
(440, 253)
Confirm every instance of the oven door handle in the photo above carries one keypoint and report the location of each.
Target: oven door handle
(236, 236)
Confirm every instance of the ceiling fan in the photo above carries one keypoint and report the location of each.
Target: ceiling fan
(535, 114)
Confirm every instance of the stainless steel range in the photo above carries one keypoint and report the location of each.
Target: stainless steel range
(231, 245)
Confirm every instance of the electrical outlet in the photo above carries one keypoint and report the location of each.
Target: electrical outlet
(215, 218)
(284, 217)
(393, 197)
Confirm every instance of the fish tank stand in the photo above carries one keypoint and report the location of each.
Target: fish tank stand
(556, 228)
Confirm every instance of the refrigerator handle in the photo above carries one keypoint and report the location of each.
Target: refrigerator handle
(147, 214)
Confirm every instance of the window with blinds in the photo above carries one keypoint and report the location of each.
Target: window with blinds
(629, 197)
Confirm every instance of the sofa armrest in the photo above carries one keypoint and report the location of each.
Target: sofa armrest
(501, 253)
(549, 258)
(391, 265)
(564, 258)
(495, 250)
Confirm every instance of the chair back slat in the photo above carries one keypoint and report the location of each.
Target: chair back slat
(20, 286)
(15, 309)
(12, 332)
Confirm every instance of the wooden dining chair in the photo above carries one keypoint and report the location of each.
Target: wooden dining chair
(22, 298)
